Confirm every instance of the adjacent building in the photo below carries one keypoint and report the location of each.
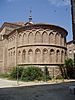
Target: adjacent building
(73, 17)
(71, 44)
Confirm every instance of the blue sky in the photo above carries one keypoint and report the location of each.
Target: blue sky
(55, 12)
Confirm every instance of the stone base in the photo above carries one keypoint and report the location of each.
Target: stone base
(54, 71)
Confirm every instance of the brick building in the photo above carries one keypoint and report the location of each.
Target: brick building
(32, 44)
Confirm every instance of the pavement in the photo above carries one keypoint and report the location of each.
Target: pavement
(54, 90)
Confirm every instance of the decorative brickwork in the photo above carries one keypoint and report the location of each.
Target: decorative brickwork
(33, 44)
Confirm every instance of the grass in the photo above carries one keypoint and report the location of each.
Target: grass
(4, 75)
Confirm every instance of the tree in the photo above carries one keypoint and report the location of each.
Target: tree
(69, 67)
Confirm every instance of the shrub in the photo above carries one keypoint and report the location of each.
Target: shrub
(69, 67)
(16, 71)
(59, 77)
(46, 75)
(4, 75)
(32, 73)
(63, 71)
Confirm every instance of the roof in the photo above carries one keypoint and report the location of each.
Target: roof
(46, 24)
(19, 23)
(28, 25)
(12, 25)
(70, 42)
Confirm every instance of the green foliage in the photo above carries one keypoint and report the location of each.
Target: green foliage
(68, 63)
(59, 77)
(4, 75)
(46, 74)
(16, 71)
(63, 71)
(69, 67)
(32, 73)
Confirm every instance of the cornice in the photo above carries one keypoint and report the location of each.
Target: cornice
(41, 26)
(48, 45)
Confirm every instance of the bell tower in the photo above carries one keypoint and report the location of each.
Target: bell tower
(30, 17)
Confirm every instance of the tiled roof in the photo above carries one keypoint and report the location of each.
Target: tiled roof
(19, 23)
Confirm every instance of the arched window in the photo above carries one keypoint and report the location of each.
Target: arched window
(13, 57)
(62, 40)
(51, 38)
(38, 37)
(57, 39)
(45, 37)
(62, 56)
(24, 56)
(11, 53)
(65, 54)
(19, 39)
(57, 56)
(30, 56)
(52, 55)
(19, 56)
(30, 38)
(19, 53)
(14, 53)
(9, 56)
(37, 55)
(24, 38)
(45, 55)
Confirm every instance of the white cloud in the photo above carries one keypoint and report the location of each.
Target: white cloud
(59, 2)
